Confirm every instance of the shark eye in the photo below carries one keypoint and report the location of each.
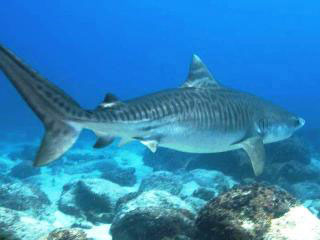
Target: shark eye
(298, 122)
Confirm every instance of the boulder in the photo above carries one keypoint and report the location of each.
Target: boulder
(205, 194)
(243, 213)
(313, 206)
(121, 176)
(215, 180)
(24, 170)
(291, 149)
(291, 172)
(26, 152)
(195, 203)
(162, 180)
(23, 197)
(297, 224)
(93, 199)
(15, 225)
(306, 190)
(167, 159)
(155, 215)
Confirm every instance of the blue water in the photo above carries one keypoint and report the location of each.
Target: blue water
(130, 48)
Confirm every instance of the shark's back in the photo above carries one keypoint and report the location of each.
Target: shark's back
(204, 108)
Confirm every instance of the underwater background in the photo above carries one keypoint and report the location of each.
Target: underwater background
(132, 48)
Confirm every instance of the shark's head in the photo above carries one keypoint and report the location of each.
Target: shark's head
(278, 124)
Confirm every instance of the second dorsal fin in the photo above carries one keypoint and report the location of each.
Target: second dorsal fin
(199, 75)
(109, 101)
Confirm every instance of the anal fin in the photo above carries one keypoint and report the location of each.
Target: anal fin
(151, 144)
(256, 152)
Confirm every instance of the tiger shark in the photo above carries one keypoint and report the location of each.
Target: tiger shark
(200, 116)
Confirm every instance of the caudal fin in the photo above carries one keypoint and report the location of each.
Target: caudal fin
(55, 109)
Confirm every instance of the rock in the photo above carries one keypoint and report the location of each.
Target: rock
(23, 197)
(195, 203)
(243, 213)
(121, 176)
(297, 224)
(188, 189)
(15, 225)
(94, 199)
(291, 149)
(162, 180)
(313, 206)
(67, 234)
(155, 215)
(296, 172)
(4, 178)
(24, 170)
(125, 199)
(288, 162)
(76, 158)
(312, 136)
(100, 165)
(205, 194)
(235, 163)
(210, 179)
(167, 159)
(306, 190)
(27, 152)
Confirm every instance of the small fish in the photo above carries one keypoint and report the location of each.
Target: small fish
(201, 116)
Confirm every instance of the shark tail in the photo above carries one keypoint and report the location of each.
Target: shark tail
(53, 107)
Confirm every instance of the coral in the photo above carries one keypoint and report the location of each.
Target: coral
(243, 213)
(67, 234)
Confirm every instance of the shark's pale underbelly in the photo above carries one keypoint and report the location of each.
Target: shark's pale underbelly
(201, 141)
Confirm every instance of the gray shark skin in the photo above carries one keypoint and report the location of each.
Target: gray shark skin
(201, 116)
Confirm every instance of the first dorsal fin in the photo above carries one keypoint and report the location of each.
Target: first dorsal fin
(199, 75)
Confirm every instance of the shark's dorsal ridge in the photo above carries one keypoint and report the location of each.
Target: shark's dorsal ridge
(199, 76)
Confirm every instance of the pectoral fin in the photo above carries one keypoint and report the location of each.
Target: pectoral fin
(255, 149)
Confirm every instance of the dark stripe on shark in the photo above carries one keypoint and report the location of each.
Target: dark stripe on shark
(34, 75)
